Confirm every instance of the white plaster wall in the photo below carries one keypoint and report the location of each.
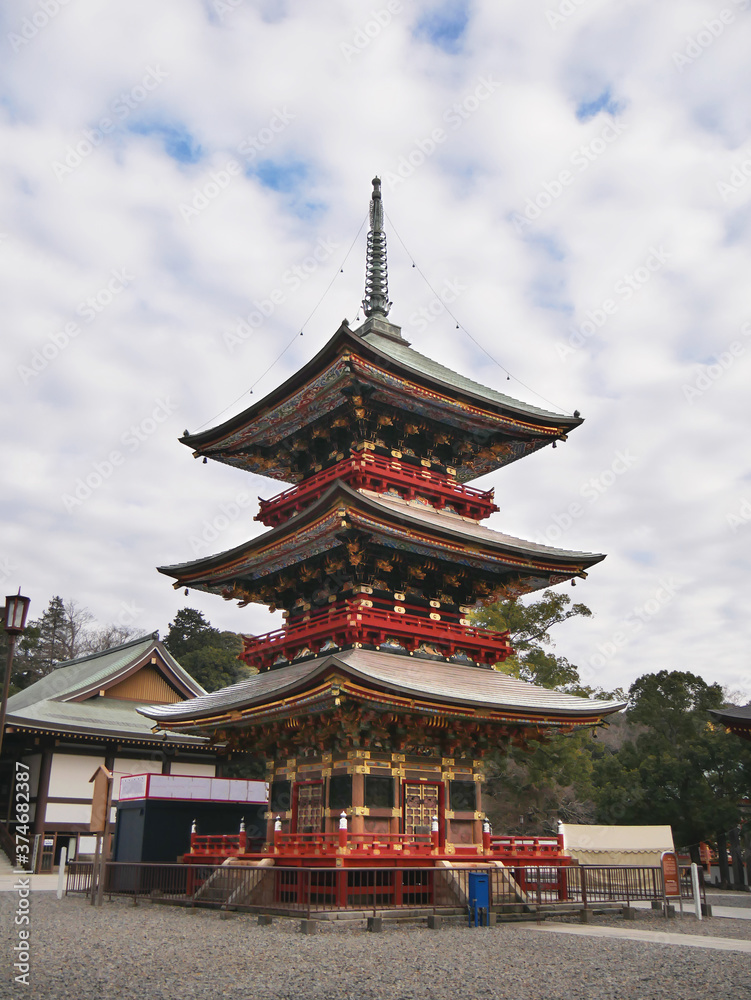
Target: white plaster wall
(64, 812)
(196, 770)
(126, 765)
(69, 777)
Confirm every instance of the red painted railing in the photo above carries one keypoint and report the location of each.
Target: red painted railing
(528, 846)
(357, 843)
(369, 471)
(354, 622)
(226, 844)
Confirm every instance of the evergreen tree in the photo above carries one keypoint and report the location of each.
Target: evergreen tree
(530, 788)
(209, 656)
(677, 767)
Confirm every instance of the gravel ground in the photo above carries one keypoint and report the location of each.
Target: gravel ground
(170, 953)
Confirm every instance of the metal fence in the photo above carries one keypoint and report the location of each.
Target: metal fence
(279, 889)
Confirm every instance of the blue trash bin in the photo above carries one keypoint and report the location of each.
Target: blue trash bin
(479, 897)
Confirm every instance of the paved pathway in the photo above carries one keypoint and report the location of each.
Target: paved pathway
(651, 937)
(735, 912)
(39, 883)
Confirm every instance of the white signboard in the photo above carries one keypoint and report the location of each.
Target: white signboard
(189, 787)
(133, 786)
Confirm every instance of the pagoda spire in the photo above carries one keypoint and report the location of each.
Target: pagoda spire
(376, 301)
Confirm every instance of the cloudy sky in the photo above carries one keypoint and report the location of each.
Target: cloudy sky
(571, 178)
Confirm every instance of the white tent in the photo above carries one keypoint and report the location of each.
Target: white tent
(616, 845)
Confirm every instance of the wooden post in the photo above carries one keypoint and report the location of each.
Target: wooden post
(95, 868)
(105, 845)
(583, 873)
(101, 803)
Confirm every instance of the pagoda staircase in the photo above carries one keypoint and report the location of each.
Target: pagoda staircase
(236, 883)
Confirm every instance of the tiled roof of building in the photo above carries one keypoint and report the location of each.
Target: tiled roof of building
(468, 527)
(405, 355)
(418, 514)
(49, 703)
(453, 683)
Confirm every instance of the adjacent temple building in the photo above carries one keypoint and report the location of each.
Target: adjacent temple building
(377, 700)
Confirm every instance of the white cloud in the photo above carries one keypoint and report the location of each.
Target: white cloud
(227, 74)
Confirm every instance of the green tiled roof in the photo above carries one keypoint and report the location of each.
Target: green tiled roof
(48, 703)
(98, 716)
(448, 682)
(405, 355)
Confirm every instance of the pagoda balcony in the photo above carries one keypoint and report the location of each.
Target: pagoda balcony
(366, 470)
(215, 849)
(341, 627)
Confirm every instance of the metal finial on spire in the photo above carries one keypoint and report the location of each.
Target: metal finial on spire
(376, 301)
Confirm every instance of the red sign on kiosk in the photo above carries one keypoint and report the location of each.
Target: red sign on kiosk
(671, 874)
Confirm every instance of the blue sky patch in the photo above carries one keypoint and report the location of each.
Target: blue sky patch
(605, 102)
(283, 177)
(177, 140)
(445, 26)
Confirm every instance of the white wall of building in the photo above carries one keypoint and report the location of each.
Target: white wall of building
(127, 765)
(68, 812)
(197, 770)
(70, 774)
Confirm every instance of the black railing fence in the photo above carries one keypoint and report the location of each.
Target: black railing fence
(313, 890)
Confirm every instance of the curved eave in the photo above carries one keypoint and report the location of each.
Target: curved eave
(562, 558)
(398, 679)
(212, 438)
(91, 733)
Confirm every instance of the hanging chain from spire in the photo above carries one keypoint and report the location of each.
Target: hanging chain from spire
(376, 299)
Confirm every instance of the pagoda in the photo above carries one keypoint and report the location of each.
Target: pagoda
(377, 700)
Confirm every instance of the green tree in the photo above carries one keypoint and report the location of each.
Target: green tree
(529, 627)
(210, 656)
(530, 788)
(677, 767)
